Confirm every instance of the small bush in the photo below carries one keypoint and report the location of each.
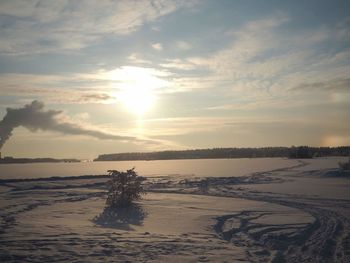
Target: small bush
(124, 188)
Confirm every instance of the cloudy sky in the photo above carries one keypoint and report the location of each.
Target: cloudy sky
(117, 76)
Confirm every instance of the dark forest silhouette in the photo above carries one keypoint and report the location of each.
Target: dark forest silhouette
(216, 153)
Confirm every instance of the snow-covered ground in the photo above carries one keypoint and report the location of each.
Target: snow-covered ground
(294, 214)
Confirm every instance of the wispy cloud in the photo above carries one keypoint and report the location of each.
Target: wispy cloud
(258, 130)
(136, 58)
(69, 88)
(263, 66)
(259, 68)
(341, 84)
(37, 26)
(157, 46)
(183, 45)
(100, 86)
(178, 64)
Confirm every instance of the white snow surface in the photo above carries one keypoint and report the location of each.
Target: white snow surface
(299, 213)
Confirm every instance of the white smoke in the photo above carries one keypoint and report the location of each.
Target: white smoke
(34, 117)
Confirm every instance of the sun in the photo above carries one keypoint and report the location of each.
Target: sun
(137, 99)
(137, 87)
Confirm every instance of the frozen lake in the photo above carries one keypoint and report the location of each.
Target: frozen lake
(199, 167)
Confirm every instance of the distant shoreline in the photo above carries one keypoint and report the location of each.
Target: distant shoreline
(12, 160)
(299, 152)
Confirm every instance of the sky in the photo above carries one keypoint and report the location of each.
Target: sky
(82, 78)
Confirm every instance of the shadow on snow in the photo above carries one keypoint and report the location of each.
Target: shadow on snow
(121, 217)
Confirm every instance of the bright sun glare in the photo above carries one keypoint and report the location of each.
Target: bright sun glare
(136, 87)
(137, 98)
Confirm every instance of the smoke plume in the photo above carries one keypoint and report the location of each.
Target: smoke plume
(34, 117)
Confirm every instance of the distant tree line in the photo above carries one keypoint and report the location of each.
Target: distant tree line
(219, 153)
(9, 159)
